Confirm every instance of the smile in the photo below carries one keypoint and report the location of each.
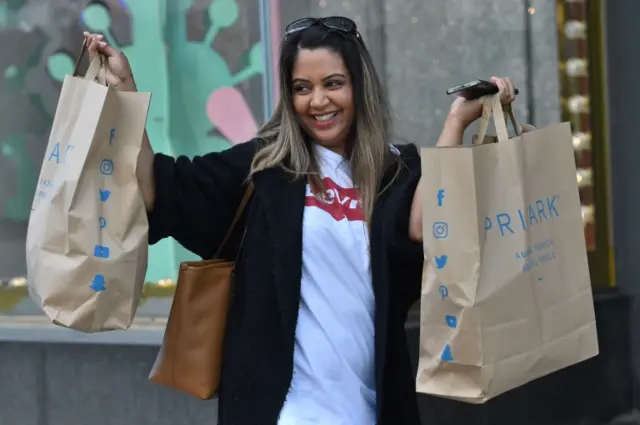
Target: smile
(325, 117)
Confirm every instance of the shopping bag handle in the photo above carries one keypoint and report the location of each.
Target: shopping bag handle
(94, 66)
(492, 104)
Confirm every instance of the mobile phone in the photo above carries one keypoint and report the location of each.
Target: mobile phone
(475, 89)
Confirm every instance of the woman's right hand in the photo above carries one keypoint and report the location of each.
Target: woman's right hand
(118, 71)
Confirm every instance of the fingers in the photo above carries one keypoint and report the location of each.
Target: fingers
(106, 49)
(511, 89)
(97, 44)
(91, 40)
(506, 89)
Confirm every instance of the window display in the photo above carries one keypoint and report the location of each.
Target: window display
(208, 66)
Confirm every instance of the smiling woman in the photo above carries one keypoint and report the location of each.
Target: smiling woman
(325, 268)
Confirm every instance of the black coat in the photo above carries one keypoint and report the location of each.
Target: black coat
(195, 203)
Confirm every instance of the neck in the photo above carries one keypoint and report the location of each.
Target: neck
(338, 148)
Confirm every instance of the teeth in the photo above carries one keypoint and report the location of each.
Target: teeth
(326, 117)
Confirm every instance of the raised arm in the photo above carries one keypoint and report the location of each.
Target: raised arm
(194, 201)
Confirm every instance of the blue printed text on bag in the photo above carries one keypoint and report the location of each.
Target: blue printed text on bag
(59, 157)
(510, 222)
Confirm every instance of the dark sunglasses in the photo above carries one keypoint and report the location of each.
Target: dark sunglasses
(337, 23)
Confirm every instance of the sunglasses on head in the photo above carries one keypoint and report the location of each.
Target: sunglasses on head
(337, 23)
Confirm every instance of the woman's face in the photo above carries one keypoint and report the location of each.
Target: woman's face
(323, 97)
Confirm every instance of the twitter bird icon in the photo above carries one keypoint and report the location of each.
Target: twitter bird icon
(440, 261)
(104, 194)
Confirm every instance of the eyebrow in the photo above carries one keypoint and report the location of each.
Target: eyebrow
(302, 80)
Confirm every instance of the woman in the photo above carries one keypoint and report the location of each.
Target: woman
(332, 257)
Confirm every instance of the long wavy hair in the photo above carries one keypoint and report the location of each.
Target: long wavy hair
(368, 147)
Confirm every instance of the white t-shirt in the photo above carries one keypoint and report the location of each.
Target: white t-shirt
(334, 372)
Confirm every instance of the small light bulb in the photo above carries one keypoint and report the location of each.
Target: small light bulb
(578, 104)
(584, 177)
(581, 141)
(587, 214)
(576, 67)
(574, 30)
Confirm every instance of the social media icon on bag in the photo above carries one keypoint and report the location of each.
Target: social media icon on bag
(440, 230)
(447, 355)
(101, 251)
(106, 167)
(104, 195)
(440, 197)
(98, 283)
(440, 261)
(452, 321)
(444, 291)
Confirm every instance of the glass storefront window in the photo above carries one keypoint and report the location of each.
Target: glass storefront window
(208, 66)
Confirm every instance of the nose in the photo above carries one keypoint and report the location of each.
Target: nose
(319, 99)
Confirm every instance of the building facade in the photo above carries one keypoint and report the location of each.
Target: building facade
(568, 58)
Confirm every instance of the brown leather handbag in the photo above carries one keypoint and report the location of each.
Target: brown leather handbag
(190, 359)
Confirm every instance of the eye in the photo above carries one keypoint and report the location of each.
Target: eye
(300, 89)
(334, 84)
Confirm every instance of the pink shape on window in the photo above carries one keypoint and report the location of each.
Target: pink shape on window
(229, 113)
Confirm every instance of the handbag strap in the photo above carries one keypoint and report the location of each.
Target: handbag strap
(240, 210)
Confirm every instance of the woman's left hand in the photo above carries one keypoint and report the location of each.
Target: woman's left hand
(463, 112)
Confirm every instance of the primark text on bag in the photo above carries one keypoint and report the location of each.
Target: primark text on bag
(506, 293)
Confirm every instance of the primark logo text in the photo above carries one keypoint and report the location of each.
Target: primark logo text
(541, 210)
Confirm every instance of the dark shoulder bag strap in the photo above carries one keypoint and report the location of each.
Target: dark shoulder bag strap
(241, 208)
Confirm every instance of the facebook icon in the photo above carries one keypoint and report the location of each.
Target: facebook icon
(440, 197)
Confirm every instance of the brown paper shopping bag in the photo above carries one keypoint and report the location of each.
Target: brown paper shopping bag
(506, 293)
(87, 234)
